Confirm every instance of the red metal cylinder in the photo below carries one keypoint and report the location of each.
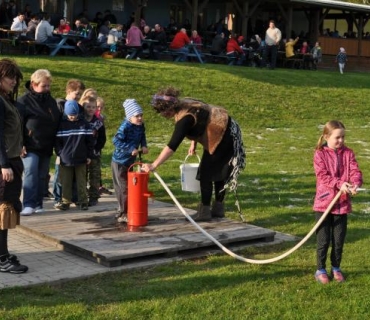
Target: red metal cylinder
(137, 198)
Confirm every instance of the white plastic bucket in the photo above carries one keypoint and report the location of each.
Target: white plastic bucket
(188, 173)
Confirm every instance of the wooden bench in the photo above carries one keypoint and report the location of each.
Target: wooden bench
(5, 45)
(293, 63)
(29, 45)
(174, 54)
(223, 57)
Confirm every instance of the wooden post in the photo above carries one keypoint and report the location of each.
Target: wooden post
(289, 23)
(194, 21)
(245, 19)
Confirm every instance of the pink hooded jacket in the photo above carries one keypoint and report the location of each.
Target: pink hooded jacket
(332, 169)
(134, 37)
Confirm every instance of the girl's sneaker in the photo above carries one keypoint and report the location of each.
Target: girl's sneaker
(322, 277)
(337, 275)
(11, 264)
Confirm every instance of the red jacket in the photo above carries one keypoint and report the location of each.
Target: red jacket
(233, 45)
(179, 41)
(332, 169)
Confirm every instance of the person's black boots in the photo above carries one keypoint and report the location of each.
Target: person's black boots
(203, 213)
(218, 210)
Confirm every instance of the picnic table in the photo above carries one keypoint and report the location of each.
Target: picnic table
(194, 52)
(62, 44)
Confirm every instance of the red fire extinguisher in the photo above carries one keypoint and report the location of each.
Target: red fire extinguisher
(138, 194)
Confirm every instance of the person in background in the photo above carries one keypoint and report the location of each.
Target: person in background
(223, 152)
(11, 165)
(289, 47)
(94, 168)
(179, 43)
(307, 55)
(41, 117)
(89, 36)
(289, 52)
(19, 24)
(103, 32)
(272, 40)
(172, 27)
(195, 38)
(74, 146)
(341, 59)
(218, 44)
(233, 50)
(98, 19)
(63, 26)
(316, 55)
(134, 37)
(336, 171)
(127, 142)
(114, 36)
(31, 27)
(77, 26)
(44, 32)
(160, 35)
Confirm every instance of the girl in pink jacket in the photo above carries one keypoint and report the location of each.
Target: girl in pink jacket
(336, 170)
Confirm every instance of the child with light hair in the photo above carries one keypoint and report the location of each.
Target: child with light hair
(341, 59)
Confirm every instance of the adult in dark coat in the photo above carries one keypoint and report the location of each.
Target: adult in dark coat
(41, 117)
(10, 162)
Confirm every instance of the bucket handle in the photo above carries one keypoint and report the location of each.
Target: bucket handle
(186, 158)
(135, 164)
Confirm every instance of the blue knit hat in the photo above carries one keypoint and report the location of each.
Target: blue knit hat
(71, 108)
(132, 108)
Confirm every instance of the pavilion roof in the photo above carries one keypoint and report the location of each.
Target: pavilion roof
(336, 5)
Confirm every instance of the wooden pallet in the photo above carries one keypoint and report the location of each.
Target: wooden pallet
(96, 236)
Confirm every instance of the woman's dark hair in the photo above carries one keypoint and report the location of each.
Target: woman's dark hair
(9, 68)
(166, 99)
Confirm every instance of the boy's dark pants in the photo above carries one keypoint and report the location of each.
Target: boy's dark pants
(119, 174)
(94, 178)
(332, 230)
(66, 177)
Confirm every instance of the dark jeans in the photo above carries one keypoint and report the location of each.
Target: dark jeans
(270, 53)
(332, 230)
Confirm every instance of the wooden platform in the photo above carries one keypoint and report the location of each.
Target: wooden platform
(95, 235)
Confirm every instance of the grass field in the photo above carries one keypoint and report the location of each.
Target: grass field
(281, 113)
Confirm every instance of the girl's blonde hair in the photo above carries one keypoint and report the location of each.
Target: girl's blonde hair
(89, 92)
(329, 127)
(87, 99)
(100, 100)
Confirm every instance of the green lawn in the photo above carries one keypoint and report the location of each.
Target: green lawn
(281, 113)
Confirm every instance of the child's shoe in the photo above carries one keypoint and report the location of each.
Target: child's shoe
(122, 219)
(61, 206)
(84, 206)
(337, 275)
(322, 277)
(11, 264)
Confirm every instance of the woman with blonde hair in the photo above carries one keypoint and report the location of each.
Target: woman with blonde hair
(41, 117)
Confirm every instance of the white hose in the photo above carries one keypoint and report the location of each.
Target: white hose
(232, 254)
